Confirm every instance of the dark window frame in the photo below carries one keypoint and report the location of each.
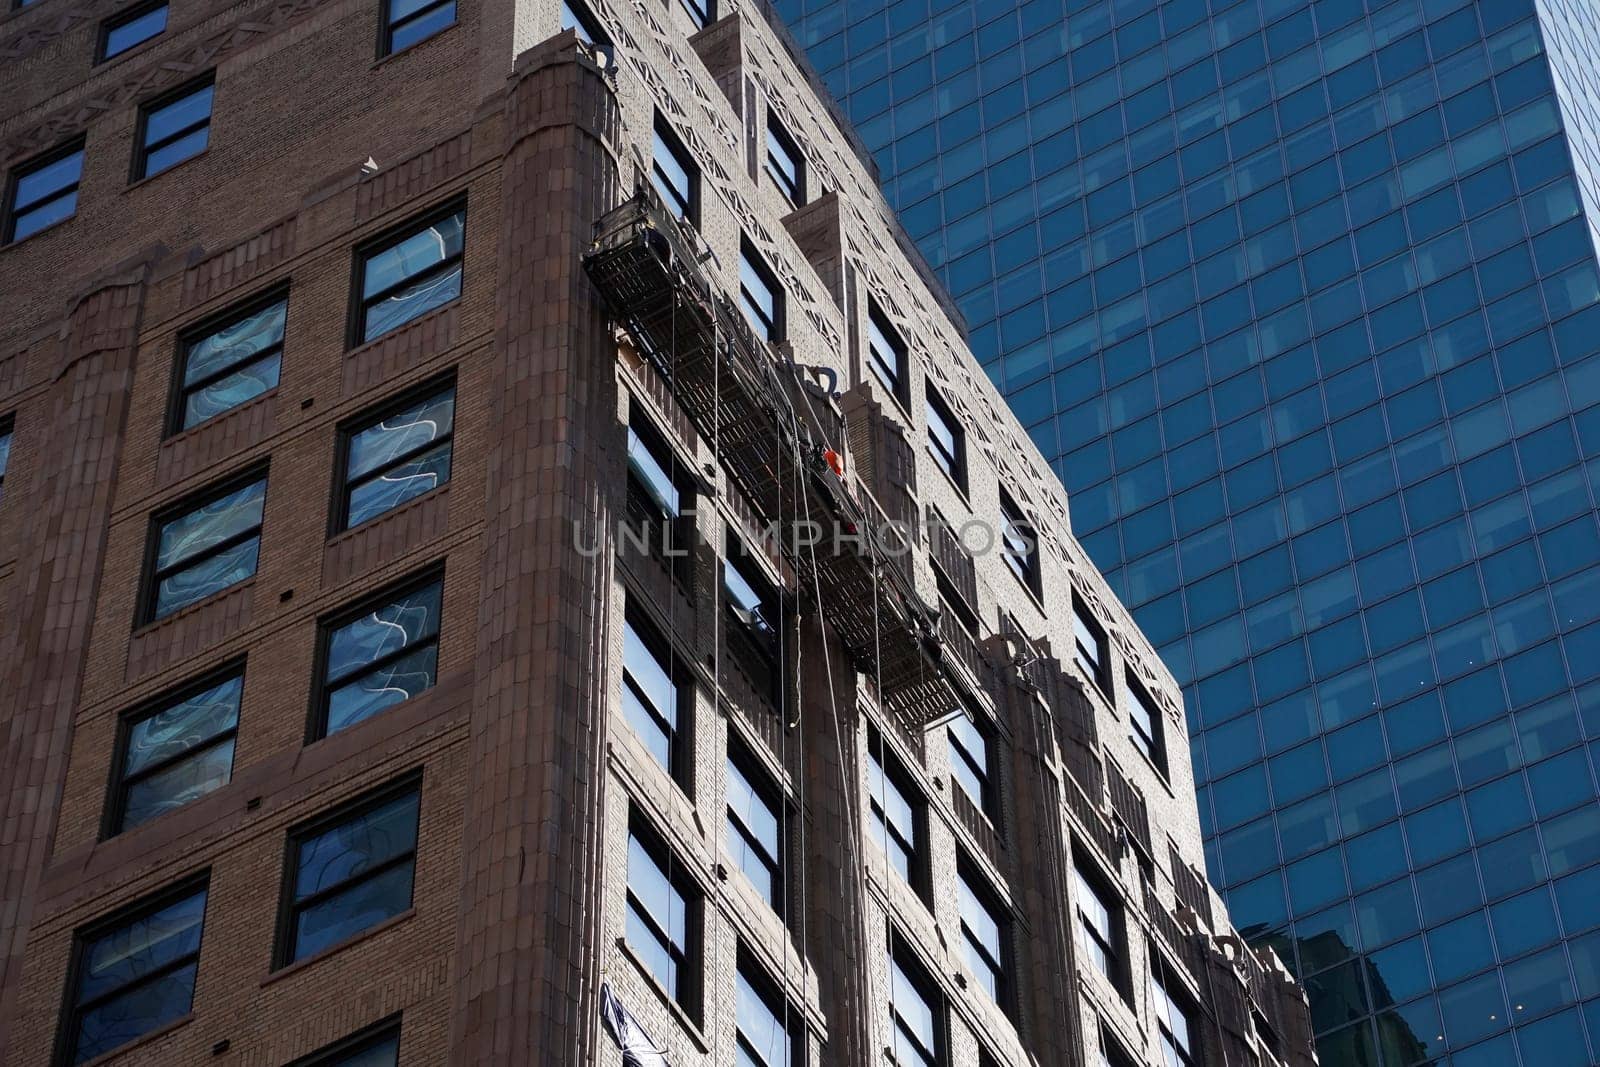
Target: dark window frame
(764, 649)
(777, 327)
(769, 793)
(895, 774)
(114, 810)
(770, 992)
(345, 811)
(210, 325)
(703, 12)
(660, 646)
(776, 131)
(387, 25)
(999, 912)
(1026, 570)
(921, 977)
(690, 994)
(895, 380)
(584, 19)
(988, 775)
(339, 508)
(76, 145)
(126, 18)
(677, 527)
(65, 1045)
(1084, 617)
(1116, 950)
(332, 622)
(362, 1040)
(1164, 975)
(680, 155)
(1146, 701)
(8, 432)
(380, 242)
(936, 407)
(141, 145)
(150, 580)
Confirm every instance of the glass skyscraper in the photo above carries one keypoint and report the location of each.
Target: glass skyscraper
(1301, 298)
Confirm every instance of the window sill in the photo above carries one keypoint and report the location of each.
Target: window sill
(9, 245)
(395, 331)
(1161, 775)
(689, 1026)
(140, 1041)
(297, 966)
(151, 625)
(200, 428)
(138, 183)
(408, 49)
(958, 484)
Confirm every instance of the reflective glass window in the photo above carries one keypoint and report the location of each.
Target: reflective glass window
(176, 752)
(398, 455)
(43, 192)
(405, 277)
(205, 548)
(229, 364)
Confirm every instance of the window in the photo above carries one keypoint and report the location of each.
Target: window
(984, 929)
(205, 547)
(755, 828)
(651, 701)
(405, 277)
(1172, 1022)
(1090, 646)
(768, 1033)
(398, 455)
(1112, 1053)
(380, 655)
(672, 170)
(660, 498)
(133, 974)
(376, 1046)
(1097, 926)
(173, 128)
(916, 1015)
(132, 29)
(785, 162)
(753, 603)
(228, 364)
(406, 22)
(176, 752)
(760, 295)
(1018, 543)
(44, 192)
(971, 765)
(702, 11)
(576, 17)
(1144, 716)
(6, 426)
(947, 441)
(886, 353)
(660, 914)
(350, 871)
(897, 825)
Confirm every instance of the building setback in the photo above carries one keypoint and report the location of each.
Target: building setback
(395, 401)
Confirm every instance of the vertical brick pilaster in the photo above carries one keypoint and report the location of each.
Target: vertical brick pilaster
(528, 933)
(836, 932)
(44, 637)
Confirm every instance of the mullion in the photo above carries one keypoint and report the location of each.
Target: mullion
(382, 661)
(156, 146)
(301, 904)
(205, 745)
(276, 348)
(82, 1007)
(750, 838)
(34, 205)
(415, 15)
(412, 279)
(981, 949)
(207, 553)
(669, 946)
(404, 457)
(916, 1042)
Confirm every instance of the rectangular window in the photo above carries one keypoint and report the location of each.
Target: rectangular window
(228, 364)
(985, 930)
(576, 17)
(1112, 1053)
(768, 1032)
(752, 602)
(406, 276)
(760, 295)
(755, 827)
(133, 974)
(398, 455)
(1144, 716)
(1090, 646)
(1172, 1022)
(651, 700)
(971, 765)
(916, 1011)
(350, 871)
(947, 441)
(1018, 543)
(661, 913)
(886, 353)
(43, 192)
(660, 499)
(6, 433)
(132, 29)
(173, 128)
(785, 162)
(897, 823)
(204, 547)
(376, 1046)
(407, 22)
(702, 11)
(176, 752)
(672, 170)
(379, 655)
(1098, 918)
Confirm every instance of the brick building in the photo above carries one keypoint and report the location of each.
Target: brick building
(349, 353)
